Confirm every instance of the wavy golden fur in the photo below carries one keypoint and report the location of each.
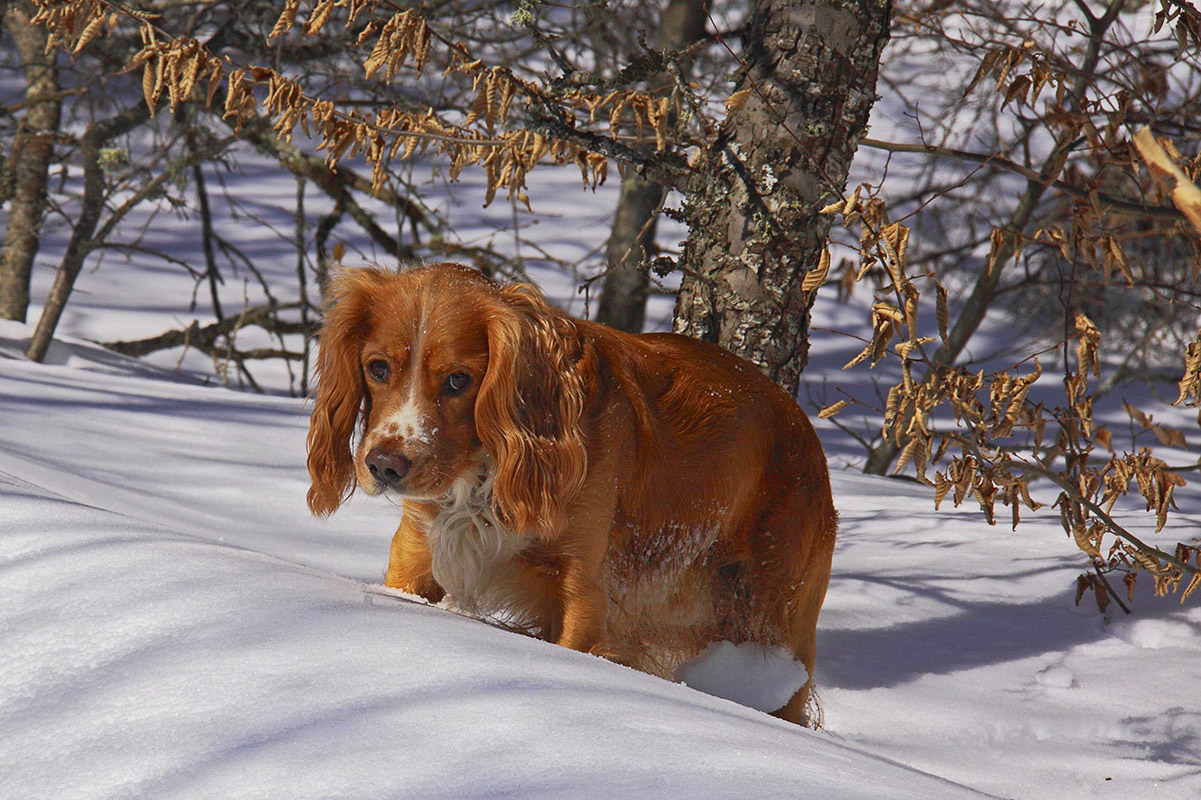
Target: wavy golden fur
(639, 497)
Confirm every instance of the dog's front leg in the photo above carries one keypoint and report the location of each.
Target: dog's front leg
(410, 566)
(585, 607)
(584, 604)
(582, 546)
(583, 625)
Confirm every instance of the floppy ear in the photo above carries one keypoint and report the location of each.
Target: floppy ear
(339, 392)
(529, 409)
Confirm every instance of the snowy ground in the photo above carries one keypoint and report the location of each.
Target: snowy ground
(174, 624)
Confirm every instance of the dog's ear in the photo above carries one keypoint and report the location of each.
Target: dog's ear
(340, 389)
(529, 411)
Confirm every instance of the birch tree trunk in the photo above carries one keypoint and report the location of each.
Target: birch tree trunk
(32, 151)
(783, 151)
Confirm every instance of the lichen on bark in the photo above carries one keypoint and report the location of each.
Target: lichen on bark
(781, 154)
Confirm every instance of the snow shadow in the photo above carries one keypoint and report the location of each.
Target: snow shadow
(979, 634)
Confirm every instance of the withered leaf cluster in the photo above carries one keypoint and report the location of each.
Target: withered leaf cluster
(485, 135)
(993, 441)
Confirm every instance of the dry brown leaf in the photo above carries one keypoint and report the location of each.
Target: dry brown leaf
(1017, 90)
(287, 19)
(737, 100)
(1190, 383)
(1086, 348)
(1193, 583)
(1185, 194)
(816, 277)
(1087, 540)
(318, 17)
(1169, 437)
(1142, 419)
(986, 66)
(148, 84)
(89, 33)
(831, 410)
(941, 313)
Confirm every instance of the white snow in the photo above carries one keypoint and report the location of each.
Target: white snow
(750, 674)
(173, 623)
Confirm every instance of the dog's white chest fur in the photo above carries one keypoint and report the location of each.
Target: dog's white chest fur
(469, 546)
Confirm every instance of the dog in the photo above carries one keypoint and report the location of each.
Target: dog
(639, 497)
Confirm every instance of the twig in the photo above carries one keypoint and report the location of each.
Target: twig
(1155, 212)
(265, 317)
(211, 271)
(1105, 582)
(302, 280)
(1118, 530)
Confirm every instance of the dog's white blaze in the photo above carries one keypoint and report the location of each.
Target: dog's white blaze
(409, 421)
(468, 544)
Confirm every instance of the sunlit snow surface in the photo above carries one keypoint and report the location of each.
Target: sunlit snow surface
(174, 624)
(752, 675)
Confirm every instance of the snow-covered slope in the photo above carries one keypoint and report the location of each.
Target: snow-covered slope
(174, 624)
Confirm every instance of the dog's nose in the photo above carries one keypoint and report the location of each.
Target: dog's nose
(386, 467)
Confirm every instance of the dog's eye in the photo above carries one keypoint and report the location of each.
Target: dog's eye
(378, 370)
(457, 382)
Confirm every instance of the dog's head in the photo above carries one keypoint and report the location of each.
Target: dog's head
(443, 374)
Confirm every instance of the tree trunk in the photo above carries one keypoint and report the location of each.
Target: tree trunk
(801, 103)
(630, 246)
(81, 242)
(631, 242)
(32, 152)
(77, 249)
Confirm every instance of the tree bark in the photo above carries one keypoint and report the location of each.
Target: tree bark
(83, 235)
(77, 249)
(631, 242)
(630, 246)
(782, 153)
(32, 153)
